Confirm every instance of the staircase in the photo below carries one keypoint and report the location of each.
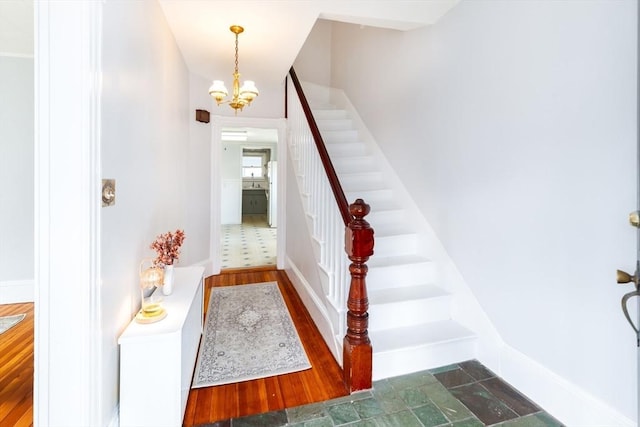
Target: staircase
(411, 325)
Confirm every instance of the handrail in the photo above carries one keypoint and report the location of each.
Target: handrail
(338, 193)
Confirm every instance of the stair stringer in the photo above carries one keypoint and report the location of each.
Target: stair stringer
(465, 308)
(323, 314)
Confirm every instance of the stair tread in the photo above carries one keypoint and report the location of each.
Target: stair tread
(390, 229)
(361, 174)
(419, 335)
(386, 261)
(377, 200)
(328, 110)
(406, 293)
(364, 186)
(382, 206)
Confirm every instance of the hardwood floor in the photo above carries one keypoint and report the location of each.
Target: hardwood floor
(16, 368)
(322, 382)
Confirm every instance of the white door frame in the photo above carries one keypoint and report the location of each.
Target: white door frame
(218, 123)
(67, 359)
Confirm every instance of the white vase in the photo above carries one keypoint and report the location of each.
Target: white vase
(167, 288)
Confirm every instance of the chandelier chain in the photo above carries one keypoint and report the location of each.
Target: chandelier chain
(236, 54)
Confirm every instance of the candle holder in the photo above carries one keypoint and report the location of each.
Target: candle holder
(151, 278)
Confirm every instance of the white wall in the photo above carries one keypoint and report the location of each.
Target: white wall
(231, 195)
(313, 63)
(198, 223)
(16, 174)
(150, 146)
(513, 124)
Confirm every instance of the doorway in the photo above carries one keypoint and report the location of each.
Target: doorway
(247, 229)
(249, 199)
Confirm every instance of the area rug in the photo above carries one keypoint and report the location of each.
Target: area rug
(248, 334)
(7, 322)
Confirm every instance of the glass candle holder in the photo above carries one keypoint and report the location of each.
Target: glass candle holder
(151, 304)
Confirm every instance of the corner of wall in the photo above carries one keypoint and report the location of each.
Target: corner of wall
(207, 264)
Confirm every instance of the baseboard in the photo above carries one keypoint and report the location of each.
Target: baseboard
(314, 306)
(570, 404)
(16, 291)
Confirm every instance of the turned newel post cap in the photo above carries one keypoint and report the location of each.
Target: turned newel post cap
(359, 209)
(359, 235)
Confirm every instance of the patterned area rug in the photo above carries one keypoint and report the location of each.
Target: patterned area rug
(7, 322)
(248, 334)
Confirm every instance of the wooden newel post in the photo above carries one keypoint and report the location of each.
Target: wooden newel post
(357, 350)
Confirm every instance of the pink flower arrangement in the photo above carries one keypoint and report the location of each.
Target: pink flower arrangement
(168, 247)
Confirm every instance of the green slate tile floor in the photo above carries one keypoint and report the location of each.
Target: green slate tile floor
(466, 394)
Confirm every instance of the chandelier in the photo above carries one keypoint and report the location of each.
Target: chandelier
(242, 96)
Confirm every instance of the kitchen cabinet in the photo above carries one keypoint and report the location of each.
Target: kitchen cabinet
(254, 202)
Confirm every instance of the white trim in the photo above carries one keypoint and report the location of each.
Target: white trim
(16, 291)
(217, 123)
(16, 55)
(316, 309)
(68, 358)
(570, 404)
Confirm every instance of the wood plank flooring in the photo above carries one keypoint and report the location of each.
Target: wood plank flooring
(322, 382)
(16, 368)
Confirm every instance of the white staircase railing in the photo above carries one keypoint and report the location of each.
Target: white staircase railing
(323, 217)
(340, 232)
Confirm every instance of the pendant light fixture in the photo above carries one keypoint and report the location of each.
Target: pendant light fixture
(241, 96)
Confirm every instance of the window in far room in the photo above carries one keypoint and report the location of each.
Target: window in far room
(252, 166)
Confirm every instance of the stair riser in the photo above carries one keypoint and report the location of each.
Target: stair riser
(400, 275)
(328, 125)
(346, 149)
(353, 165)
(408, 360)
(384, 217)
(363, 180)
(407, 313)
(371, 197)
(362, 186)
(394, 245)
(329, 114)
(337, 136)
